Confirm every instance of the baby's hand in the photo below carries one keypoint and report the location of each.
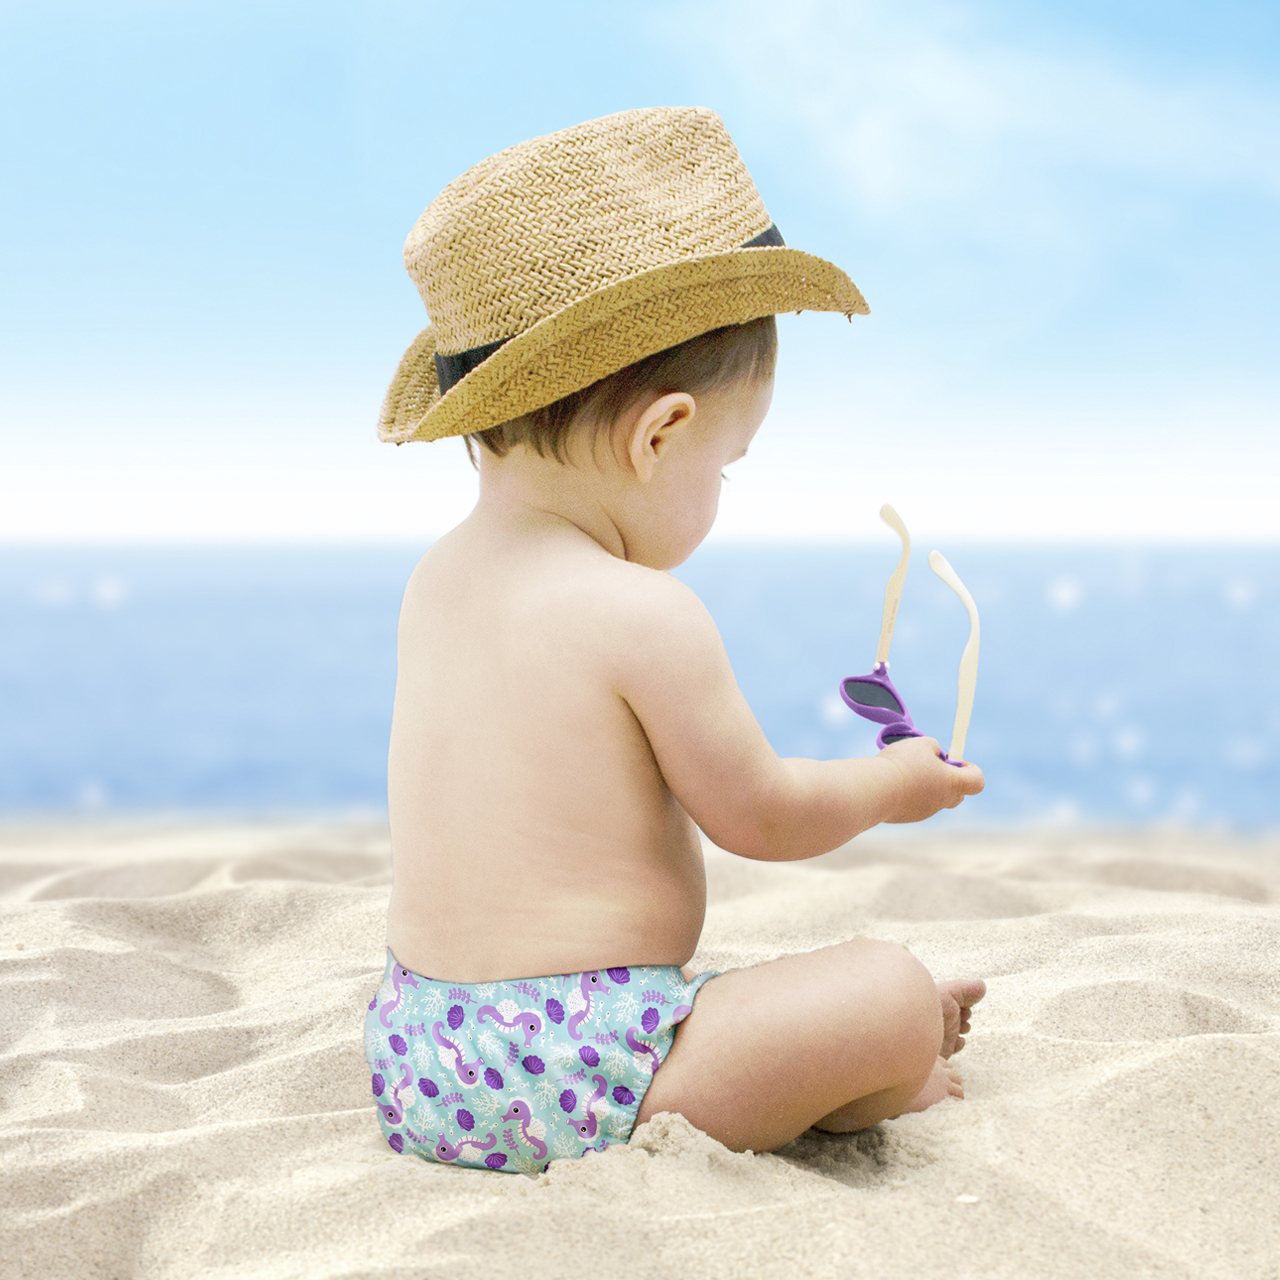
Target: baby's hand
(928, 782)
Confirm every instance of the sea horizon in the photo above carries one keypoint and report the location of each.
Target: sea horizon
(256, 679)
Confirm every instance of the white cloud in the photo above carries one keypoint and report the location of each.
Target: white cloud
(914, 106)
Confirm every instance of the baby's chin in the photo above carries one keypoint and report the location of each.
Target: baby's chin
(663, 561)
(670, 549)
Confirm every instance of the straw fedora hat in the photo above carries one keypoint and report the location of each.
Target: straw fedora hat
(562, 260)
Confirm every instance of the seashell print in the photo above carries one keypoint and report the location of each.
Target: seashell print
(589, 1056)
(492, 1078)
(620, 975)
(398, 1045)
(495, 1161)
(456, 1015)
(568, 1100)
(533, 1065)
(649, 1020)
(428, 1088)
(465, 1119)
(623, 1096)
(396, 1143)
(378, 1085)
(555, 1010)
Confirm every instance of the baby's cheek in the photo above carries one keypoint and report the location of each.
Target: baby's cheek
(711, 497)
(699, 528)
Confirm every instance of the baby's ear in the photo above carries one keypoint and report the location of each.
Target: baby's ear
(653, 431)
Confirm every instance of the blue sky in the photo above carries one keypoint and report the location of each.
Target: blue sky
(1064, 217)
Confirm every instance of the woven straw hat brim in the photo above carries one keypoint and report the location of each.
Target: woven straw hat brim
(606, 331)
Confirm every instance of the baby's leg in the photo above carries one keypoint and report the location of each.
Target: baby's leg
(842, 1038)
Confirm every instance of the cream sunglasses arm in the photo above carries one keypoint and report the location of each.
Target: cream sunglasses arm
(968, 659)
(893, 592)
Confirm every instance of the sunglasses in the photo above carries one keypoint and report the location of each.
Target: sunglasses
(874, 697)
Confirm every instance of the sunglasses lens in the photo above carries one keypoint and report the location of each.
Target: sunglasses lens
(867, 694)
(891, 738)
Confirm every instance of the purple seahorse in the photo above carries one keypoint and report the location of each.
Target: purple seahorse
(590, 982)
(519, 1110)
(446, 1151)
(468, 1073)
(526, 1020)
(642, 1046)
(392, 1109)
(401, 978)
(589, 1126)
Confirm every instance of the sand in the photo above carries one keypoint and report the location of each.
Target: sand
(183, 1090)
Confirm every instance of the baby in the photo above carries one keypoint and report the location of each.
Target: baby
(566, 719)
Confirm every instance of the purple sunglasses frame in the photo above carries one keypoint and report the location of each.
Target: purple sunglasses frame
(895, 725)
(898, 724)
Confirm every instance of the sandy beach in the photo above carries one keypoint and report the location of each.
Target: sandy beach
(184, 1090)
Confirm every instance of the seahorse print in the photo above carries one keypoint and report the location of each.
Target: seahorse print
(446, 1152)
(400, 978)
(527, 1021)
(468, 1073)
(588, 1127)
(560, 1062)
(590, 985)
(531, 1130)
(638, 1046)
(393, 1108)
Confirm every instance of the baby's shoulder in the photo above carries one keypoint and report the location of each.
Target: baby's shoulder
(634, 618)
(612, 604)
(588, 604)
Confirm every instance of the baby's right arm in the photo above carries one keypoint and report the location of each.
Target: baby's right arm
(671, 668)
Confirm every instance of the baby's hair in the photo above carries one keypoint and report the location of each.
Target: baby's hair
(710, 360)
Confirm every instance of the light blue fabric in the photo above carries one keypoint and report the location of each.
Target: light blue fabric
(511, 1075)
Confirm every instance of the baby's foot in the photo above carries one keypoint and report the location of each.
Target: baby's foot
(943, 1082)
(958, 998)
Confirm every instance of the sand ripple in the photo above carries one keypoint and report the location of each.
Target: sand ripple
(183, 1090)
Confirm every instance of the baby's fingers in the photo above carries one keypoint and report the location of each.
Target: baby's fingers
(965, 781)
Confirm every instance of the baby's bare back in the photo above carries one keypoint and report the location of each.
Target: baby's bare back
(532, 829)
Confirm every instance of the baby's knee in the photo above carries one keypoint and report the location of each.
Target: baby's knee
(889, 961)
(907, 991)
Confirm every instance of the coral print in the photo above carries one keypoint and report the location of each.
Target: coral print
(551, 1092)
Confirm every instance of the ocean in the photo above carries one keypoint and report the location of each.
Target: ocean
(1117, 686)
